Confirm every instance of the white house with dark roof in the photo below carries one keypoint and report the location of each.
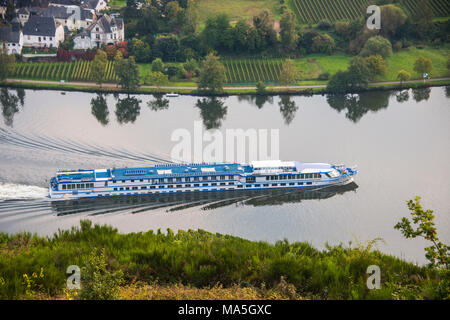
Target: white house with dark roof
(105, 30)
(96, 5)
(11, 38)
(23, 14)
(42, 32)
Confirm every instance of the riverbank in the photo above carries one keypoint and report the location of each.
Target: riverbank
(301, 89)
(152, 265)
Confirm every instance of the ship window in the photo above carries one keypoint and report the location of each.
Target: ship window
(121, 189)
(309, 183)
(114, 181)
(179, 186)
(115, 189)
(106, 183)
(78, 186)
(204, 184)
(196, 178)
(222, 183)
(169, 179)
(214, 184)
(188, 185)
(64, 187)
(257, 185)
(300, 183)
(230, 183)
(132, 180)
(230, 177)
(265, 185)
(92, 185)
(161, 187)
(82, 186)
(123, 181)
(170, 186)
(135, 188)
(143, 188)
(275, 184)
(204, 178)
(127, 188)
(196, 185)
(292, 184)
(142, 180)
(240, 186)
(178, 180)
(283, 184)
(222, 177)
(187, 179)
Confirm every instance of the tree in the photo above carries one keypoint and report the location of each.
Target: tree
(261, 88)
(190, 18)
(423, 18)
(191, 67)
(99, 66)
(392, 17)
(323, 44)
(403, 75)
(423, 65)
(140, 50)
(377, 45)
(376, 64)
(157, 79)
(157, 65)
(288, 32)
(127, 71)
(7, 63)
(422, 225)
(359, 73)
(263, 23)
(212, 74)
(10, 10)
(448, 64)
(288, 73)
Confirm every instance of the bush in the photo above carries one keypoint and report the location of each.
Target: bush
(324, 76)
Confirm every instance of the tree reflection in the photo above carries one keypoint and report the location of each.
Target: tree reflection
(447, 91)
(402, 96)
(159, 103)
(421, 94)
(99, 109)
(357, 105)
(10, 106)
(127, 109)
(21, 95)
(212, 111)
(288, 109)
(258, 100)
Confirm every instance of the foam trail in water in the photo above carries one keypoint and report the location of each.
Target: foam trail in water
(11, 191)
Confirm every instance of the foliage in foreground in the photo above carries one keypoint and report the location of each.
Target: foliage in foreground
(201, 259)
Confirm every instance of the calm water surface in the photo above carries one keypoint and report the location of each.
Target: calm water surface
(399, 140)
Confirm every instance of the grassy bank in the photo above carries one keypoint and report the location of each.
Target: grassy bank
(167, 265)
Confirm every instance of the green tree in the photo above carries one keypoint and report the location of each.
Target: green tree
(377, 45)
(422, 225)
(323, 44)
(359, 73)
(190, 18)
(288, 73)
(376, 64)
(423, 18)
(403, 75)
(261, 88)
(7, 63)
(423, 65)
(288, 32)
(127, 72)
(10, 10)
(140, 50)
(99, 66)
(392, 17)
(157, 79)
(98, 282)
(212, 74)
(157, 65)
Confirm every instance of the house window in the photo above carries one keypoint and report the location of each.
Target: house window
(44, 39)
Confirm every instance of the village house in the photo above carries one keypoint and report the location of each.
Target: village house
(23, 14)
(72, 17)
(42, 32)
(11, 38)
(105, 30)
(96, 5)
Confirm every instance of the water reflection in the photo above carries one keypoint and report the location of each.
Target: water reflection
(127, 109)
(258, 100)
(421, 94)
(212, 111)
(21, 95)
(447, 91)
(158, 103)
(10, 104)
(402, 96)
(357, 105)
(288, 109)
(99, 109)
(202, 200)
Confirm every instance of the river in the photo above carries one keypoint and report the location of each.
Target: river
(400, 142)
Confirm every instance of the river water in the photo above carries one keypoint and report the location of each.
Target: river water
(400, 142)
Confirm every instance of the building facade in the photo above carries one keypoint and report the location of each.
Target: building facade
(41, 32)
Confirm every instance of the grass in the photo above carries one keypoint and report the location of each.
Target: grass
(182, 265)
(117, 3)
(235, 9)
